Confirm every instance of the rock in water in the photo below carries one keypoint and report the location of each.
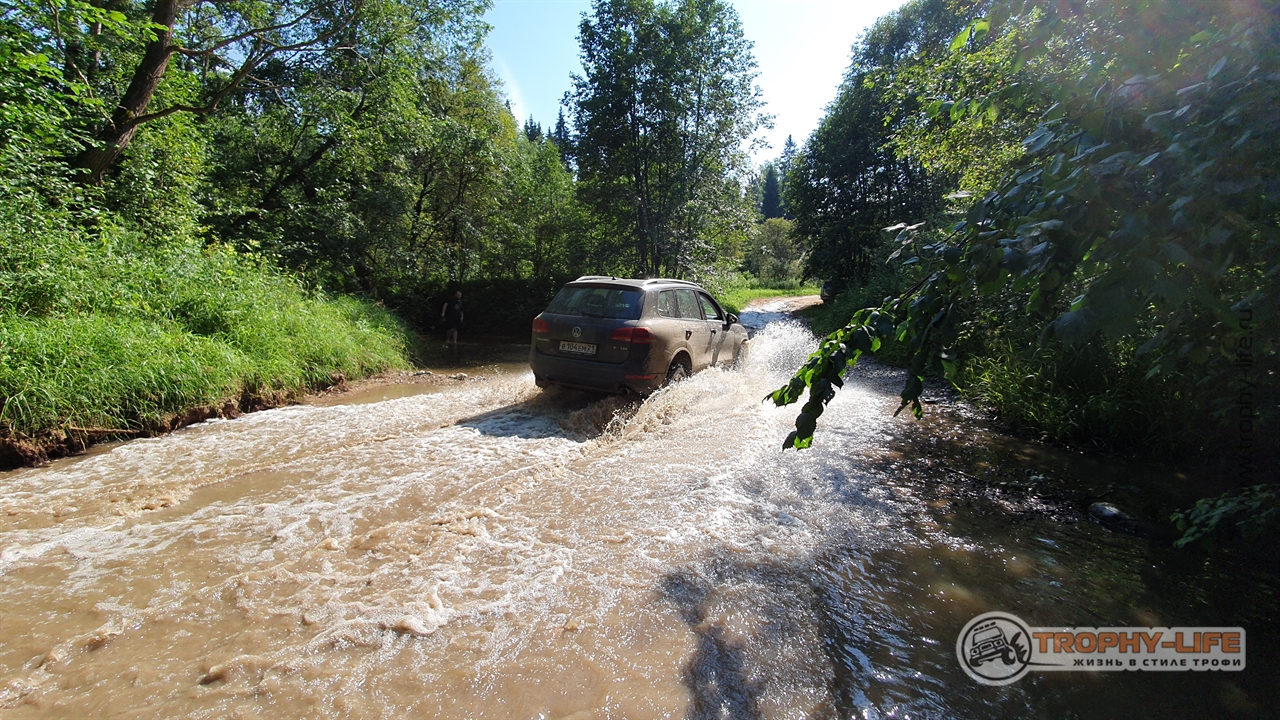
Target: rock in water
(1107, 512)
(1113, 518)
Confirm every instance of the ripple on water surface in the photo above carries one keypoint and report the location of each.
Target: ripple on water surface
(491, 550)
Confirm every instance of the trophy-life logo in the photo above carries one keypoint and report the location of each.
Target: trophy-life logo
(997, 648)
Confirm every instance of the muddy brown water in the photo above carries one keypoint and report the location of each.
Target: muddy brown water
(486, 550)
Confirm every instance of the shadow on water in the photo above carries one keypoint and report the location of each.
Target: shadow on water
(804, 639)
(716, 675)
(865, 626)
(555, 412)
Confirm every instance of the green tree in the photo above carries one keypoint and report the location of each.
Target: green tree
(532, 130)
(771, 195)
(539, 234)
(787, 159)
(220, 46)
(1141, 214)
(849, 183)
(562, 139)
(373, 169)
(772, 253)
(661, 114)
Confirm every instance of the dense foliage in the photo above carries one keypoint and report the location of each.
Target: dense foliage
(1130, 222)
(108, 331)
(849, 183)
(663, 110)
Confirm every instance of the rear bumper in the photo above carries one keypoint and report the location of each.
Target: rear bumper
(629, 376)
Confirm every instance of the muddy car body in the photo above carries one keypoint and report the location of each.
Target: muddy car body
(615, 335)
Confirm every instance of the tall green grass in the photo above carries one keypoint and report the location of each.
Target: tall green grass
(1096, 396)
(113, 329)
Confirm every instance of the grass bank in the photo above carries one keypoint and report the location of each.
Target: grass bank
(734, 297)
(111, 334)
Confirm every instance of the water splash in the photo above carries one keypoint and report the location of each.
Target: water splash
(489, 550)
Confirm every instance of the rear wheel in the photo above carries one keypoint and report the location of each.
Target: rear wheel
(678, 371)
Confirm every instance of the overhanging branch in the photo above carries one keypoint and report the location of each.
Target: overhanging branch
(258, 32)
(254, 59)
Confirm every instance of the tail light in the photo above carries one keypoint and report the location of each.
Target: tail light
(633, 335)
(541, 327)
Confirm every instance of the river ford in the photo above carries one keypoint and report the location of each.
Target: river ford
(483, 549)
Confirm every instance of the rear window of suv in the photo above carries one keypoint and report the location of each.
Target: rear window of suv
(604, 302)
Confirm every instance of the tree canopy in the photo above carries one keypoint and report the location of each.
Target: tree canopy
(1122, 197)
(662, 113)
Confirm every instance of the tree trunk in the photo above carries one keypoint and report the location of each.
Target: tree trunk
(115, 137)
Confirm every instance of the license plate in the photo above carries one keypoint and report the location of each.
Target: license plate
(576, 347)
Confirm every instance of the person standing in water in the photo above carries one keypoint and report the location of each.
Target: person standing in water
(451, 317)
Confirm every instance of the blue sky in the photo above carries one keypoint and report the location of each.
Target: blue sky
(802, 47)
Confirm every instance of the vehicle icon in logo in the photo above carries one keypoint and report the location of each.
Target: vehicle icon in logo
(990, 643)
(995, 648)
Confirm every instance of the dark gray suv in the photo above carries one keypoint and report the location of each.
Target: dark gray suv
(614, 335)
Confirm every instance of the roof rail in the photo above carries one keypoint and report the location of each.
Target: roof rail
(670, 280)
(595, 277)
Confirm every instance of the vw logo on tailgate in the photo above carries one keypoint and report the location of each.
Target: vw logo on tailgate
(577, 332)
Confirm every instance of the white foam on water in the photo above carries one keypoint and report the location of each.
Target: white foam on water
(485, 551)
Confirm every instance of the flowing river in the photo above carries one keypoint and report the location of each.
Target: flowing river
(481, 549)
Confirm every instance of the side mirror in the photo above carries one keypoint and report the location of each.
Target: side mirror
(731, 318)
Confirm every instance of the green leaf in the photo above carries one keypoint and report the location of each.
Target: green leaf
(1038, 140)
(1024, 55)
(1177, 253)
(861, 340)
(806, 424)
(999, 14)
(913, 388)
(980, 29)
(949, 369)
(961, 38)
